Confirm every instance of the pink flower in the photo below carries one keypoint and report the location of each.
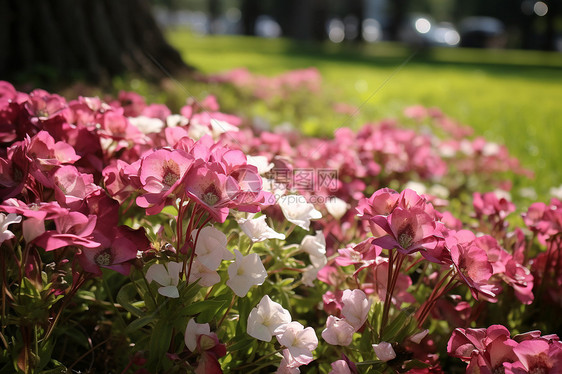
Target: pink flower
(211, 190)
(208, 363)
(338, 331)
(73, 187)
(43, 106)
(489, 204)
(116, 251)
(161, 174)
(380, 280)
(72, 229)
(407, 231)
(115, 127)
(132, 103)
(118, 182)
(41, 211)
(473, 268)
(45, 155)
(486, 350)
(536, 356)
(382, 202)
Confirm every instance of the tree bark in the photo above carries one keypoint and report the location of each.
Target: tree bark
(59, 40)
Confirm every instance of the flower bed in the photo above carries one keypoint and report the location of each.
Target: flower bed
(137, 240)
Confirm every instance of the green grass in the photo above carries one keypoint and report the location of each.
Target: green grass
(512, 97)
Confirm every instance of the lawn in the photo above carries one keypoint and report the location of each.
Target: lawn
(511, 97)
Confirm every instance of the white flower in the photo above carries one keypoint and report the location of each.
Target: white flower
(32, 228)
(417, 338)
(267, 319)
(338, 331)
(465, 147)
(258, 230)
(146, 124)
(439, 191)
(296, 210)
(310, 273)
(491, 149)
(168, 278)
(245, 272)
(261, 163)
(299, 341)
(276, 188)
(314, 245)
(193, 331)
(340, 367)
(174, 120)
(219, 127)
(502, 194)
(206, 276)
(197, 131)
(318, 261)
(556, 192)
(530, 193)
(211, 247)
(287, 364)
(5, 221)
(336, 207)
(355, 307)
(418, 187)
(384, 351)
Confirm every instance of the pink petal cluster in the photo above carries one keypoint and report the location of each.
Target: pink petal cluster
(492, 350)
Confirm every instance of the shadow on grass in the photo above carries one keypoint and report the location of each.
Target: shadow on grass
(541, 65)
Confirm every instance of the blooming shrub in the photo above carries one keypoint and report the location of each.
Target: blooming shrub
(137, 240)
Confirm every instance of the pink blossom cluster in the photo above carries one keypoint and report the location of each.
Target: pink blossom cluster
(375, 156)
(59, 154)
(492, 350)
(88, 182)
(266, 88)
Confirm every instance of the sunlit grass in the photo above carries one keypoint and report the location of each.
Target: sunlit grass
(512, 97)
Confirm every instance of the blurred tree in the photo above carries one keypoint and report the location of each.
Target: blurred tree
(399, 10)
(61, 39)
(214, 14)
(250, 10)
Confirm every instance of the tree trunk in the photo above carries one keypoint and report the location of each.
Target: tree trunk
(59, 40)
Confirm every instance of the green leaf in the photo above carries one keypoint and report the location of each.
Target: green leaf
(415, 364)
(365, 344)
(125, 297)
(390, 333)
(140, 323)
(243, 343)
(159, 343)
(244, 308)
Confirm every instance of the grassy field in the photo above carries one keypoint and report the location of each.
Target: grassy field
(511, 97)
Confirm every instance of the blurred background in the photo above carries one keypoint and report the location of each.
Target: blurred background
(524, 24)
(495, 65)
